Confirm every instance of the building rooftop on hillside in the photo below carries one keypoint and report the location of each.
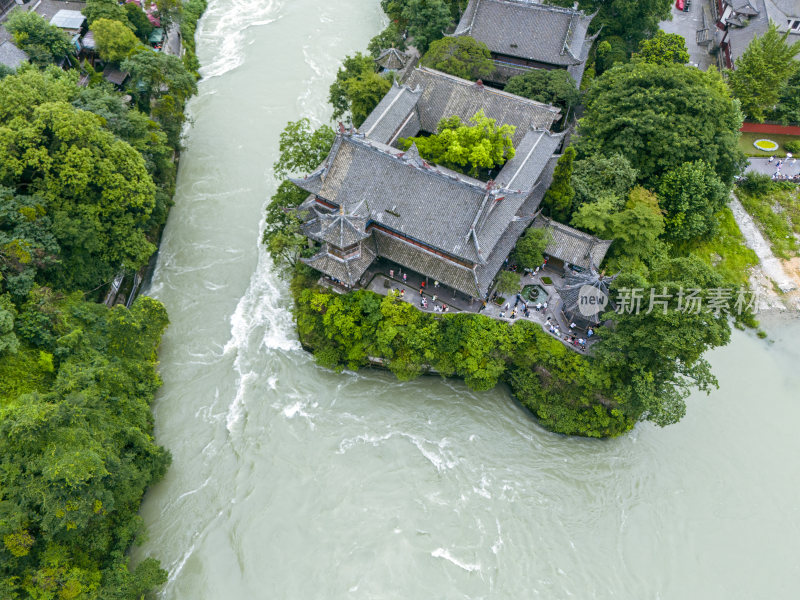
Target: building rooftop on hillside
(11, 56)
(540, 35)
(70, 20)
(540, 32)
(571, 245)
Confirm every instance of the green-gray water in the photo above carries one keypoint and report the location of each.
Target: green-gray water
(292, 482)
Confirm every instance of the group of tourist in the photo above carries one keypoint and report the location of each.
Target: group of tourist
(777, 175)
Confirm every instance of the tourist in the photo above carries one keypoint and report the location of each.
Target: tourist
(502, 315)
(403, 293)
(771, 158)
(507, 306)
(589, 332)
(405, 275)
(422, 285)
(421, 290)
(436, 284)
(391, 273)
(444, 307)
(544, 306)
(433, 299)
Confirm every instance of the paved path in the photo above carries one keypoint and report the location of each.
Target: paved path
(762, 165)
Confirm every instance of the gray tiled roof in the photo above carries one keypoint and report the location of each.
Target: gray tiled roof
(392, 111)
(537, 32)
(392, 59)
(422, 261)
(502, 249)
(407, 195)
(573, 246)
(444, 96)
(341, 230)
(532, 154)
(571, 291)
(789, 8)
(347, 271)
(745, 7)
(11, 56)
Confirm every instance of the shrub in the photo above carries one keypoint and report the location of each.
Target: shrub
(793, 146)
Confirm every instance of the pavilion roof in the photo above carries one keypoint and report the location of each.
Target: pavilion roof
(571, 245)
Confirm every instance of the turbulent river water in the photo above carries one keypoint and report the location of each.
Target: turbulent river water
(289, 481)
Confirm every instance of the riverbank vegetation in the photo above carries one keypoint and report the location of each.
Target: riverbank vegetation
(775, 206)
(86, 182)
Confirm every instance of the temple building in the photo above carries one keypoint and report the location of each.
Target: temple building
(371, 200)
(522, 35)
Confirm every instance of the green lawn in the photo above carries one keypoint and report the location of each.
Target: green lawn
(778, 214)
(746, 143)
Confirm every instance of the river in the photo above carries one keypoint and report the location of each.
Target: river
(289, 481)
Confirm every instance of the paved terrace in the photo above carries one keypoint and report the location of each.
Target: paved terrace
(380, 282)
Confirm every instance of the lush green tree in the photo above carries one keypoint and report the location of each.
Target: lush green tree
(427, 21)
(508, 282)
(634, 20)
(557, 202)
(161, 85)
(391, 37)
(660, 351)
(466, 148)
(8, 340)
(357, 89)
(76, 459)
(461, 56)
(169, 11)
(353, 67)
(691, 195)
(156, 74)
(529, 251)
(556, 87)
(788, 109)
(763, 71)
(663, 49)
(635, 228)
(94, 187)
(364, 93)
(114, 40)
(302, 149)
(610, 52)
(659, 116)
(601, 176)
(6, 70)
(140, 24)
(43, 42)
(107, 9)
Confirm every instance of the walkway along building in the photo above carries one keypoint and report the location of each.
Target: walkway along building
(522, 35)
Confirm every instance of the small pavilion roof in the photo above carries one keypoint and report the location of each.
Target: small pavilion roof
(574, 288)
(571, 245)
(392, 59)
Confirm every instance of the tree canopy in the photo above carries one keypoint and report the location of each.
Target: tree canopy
(557, 202)
(556, 87)
(358, 88)
(529, 251)
(425, 20)
(460, 56)
(43, 42)
(691, 195)
(763, 71)
(114, 40)
(482, 145)
(663, 49)
(659, 116)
